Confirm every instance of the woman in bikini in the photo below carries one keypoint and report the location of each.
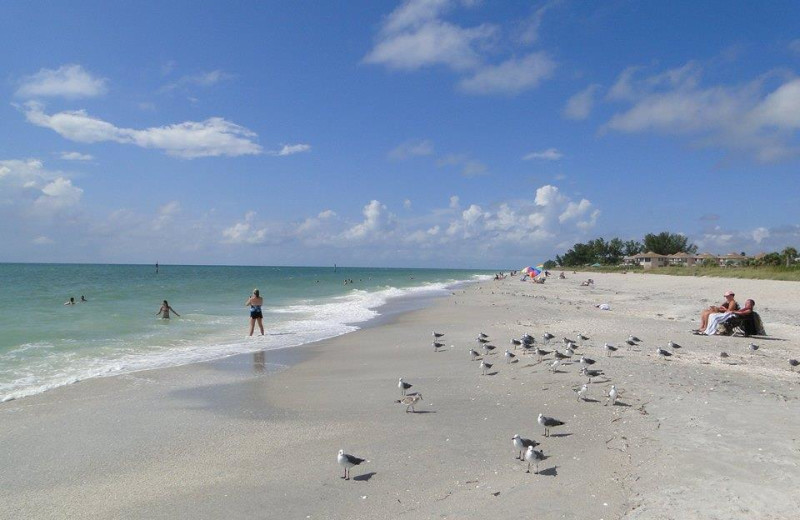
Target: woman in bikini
(255, 302)
(165, 310)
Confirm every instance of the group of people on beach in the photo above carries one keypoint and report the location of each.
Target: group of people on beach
(713, 316)
(255, 301)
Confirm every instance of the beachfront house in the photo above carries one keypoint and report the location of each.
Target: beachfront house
(650, 260)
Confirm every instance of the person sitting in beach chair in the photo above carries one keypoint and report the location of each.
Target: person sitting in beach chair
(716, 312)
(745, 322)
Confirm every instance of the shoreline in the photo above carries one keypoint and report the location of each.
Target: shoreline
(219, 439)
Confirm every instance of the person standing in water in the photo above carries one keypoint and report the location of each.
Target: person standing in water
(255, 302)
(165, 309)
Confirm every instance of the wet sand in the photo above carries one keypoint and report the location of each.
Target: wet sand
(694, 436)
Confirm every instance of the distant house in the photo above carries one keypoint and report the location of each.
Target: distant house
(682, 259)
(735, 259)
(648, 260)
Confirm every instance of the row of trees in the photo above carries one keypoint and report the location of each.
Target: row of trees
(598, 251)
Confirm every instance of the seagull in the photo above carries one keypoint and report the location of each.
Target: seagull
(582, 392)
(521, 444)
(485, 366)
(437, 346)
(583, 337)
(403, 386)
(542, 353)
(347, 462)
(509, 356)
(473, 354)
(488, 348)
(483, 340)
(793, 363)
(516, 343)
(567, 341)
(569, 352)
(437, 335)
(409, 401)
(610, 349)
(547, 337)
(572, 345)
(528, 347)
(612, 396)
(559, 355)
(533, 456)
(591, 373)
(673, 345)
(753, 347)
(633, 338)
(585, 361)
(527, 338)
(547, 423)
(663, 353)
(555, 364)
(482, 335)
(630, 342)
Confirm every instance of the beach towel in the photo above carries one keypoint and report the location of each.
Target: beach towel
(714, 320)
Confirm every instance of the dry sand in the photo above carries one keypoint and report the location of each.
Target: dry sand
(691, 437)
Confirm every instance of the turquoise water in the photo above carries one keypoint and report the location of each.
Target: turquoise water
(45, 344)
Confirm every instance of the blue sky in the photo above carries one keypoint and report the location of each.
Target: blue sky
(437, 133)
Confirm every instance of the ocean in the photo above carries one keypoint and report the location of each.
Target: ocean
(45, 344)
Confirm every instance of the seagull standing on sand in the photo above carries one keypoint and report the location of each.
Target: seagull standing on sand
(673, 345)
(555, 364)
(585, 361)
(633, 338)
(612, 396)
(591, 373)
(488, 348)
(753, 347)
(409, 401)
(521, 444)
(516, 343)
(347, 462)
(610, 349)
(482, 340)
(485, 366)
(582, 392)
(509, 356)
(559, 355)
(403, 386)
(473, 354)
(793, 363)
(663, 354)
(482, 335)
(547, 337)
(534, 456)
(437, 346)
(541, 353)
(630, 342)
(547, 423)
(583, 337)
(437, 335)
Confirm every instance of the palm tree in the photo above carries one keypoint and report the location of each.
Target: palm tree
(789, 254)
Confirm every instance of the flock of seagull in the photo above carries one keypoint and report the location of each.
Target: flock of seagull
(525, 447)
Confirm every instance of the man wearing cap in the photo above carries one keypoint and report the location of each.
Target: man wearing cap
(729, 305)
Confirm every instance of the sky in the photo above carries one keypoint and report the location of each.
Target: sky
(416, 133)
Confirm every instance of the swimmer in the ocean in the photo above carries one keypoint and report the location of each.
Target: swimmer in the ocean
(71, 301)
(165, 310)
(255, 302)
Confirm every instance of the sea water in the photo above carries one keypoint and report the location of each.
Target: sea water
(45, 344)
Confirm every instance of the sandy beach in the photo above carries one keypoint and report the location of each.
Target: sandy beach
(256, 436)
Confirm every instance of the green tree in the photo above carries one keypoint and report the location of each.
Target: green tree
(666, 243)
(550, 264)
(789, 254)
(632, 247)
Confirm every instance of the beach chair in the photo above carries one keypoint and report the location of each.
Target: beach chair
(750, 325)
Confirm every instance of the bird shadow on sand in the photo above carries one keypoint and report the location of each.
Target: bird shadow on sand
(423, 411)
(560, 434)
(365, 477)
(620, 403)
(590, 400)
(549, 472)
(514, 361)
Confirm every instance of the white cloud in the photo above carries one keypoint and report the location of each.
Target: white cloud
(69, 81)
(759, 234)
(56, 195)
(245, 231)
(166, 214)
(411, 149)
(510, 77)
(413, 36)
(548, 195)
(376, 220)
(454, 202)
(213, 137)
(291, 149)
(531, 26)
(202, 79)
(580, 105)
(551, 154)
(741, 118)
(575, 210)
(43, 240)
(76, 156)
